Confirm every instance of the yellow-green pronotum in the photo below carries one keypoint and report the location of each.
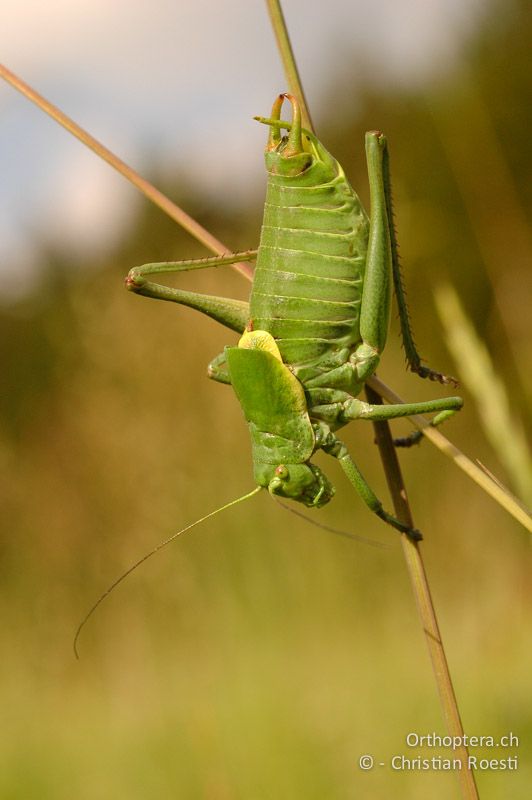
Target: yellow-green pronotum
(317, 318)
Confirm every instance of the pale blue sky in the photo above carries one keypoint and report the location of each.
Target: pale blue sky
(176, 83)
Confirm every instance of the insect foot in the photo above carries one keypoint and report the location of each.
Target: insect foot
(409, 441)
(415, 535)
(412, 533)
(433, 375)
(134, 281)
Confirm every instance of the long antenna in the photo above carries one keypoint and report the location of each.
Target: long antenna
(149, 555)
(330, 529)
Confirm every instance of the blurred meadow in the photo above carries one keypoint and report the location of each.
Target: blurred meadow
(258, 657)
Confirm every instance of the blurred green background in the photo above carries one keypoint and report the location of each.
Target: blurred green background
(259, 657)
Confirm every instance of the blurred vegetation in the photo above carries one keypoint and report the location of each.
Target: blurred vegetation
(259, 657)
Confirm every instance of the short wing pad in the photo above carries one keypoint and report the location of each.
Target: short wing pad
(274, 404)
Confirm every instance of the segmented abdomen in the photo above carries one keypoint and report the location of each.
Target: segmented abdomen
(310, 265)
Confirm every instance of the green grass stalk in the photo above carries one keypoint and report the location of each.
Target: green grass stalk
(477, 373)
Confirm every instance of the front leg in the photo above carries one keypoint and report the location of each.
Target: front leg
(334, 447)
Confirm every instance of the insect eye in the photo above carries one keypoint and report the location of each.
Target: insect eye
(281, 472)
